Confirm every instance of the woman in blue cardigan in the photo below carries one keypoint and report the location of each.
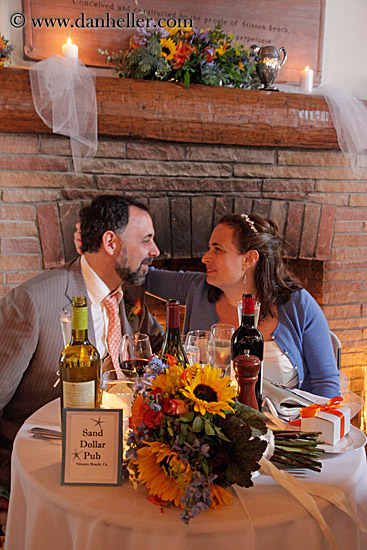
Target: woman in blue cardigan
(245, 256)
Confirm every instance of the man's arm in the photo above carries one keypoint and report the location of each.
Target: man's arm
(19, 327)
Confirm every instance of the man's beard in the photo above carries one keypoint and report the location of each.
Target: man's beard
(127, 275)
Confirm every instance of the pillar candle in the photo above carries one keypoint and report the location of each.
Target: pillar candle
(70, 50)
(306, 80)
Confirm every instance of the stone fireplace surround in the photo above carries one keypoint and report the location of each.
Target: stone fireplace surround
(194, 155)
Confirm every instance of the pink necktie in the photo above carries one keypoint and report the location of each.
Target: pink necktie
(114, 329)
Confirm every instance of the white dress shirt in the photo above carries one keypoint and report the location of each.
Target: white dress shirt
(97, 291)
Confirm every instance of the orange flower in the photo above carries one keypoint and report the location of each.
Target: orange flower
(141, 412)
(210, 54)
(183, 52)
(136, 309)
(175, 406)
(134, 45)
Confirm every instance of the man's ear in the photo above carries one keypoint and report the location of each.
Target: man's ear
(251, 258)
(109, 242)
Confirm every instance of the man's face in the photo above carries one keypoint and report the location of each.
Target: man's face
(138, 248)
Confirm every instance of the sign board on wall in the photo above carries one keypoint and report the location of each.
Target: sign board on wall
(297, 25)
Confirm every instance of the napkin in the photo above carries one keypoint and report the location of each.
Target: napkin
(288, 402)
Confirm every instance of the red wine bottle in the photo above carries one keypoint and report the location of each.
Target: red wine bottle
(172, 344)
(247, 337)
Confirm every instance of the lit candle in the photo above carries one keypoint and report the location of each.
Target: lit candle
(306, 80)
(70, 50)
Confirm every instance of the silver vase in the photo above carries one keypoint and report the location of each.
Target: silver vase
(269, 64)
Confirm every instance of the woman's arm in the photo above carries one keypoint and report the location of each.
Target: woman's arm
(318, 352)
(171, 284)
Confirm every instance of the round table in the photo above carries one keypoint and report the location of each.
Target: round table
(44, 514)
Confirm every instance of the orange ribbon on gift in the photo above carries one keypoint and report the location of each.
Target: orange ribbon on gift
(330, 407)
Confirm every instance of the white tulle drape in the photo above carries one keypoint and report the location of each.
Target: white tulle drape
(349, 116)
(64, 96)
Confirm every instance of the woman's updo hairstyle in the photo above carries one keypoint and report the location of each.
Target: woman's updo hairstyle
(274, 282)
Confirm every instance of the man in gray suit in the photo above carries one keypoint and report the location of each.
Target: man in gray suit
(118, 246)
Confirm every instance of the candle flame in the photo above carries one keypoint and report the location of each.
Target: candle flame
(68, 40)
(307, 68)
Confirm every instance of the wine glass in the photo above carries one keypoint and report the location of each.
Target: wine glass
(203, 340)
(192, 352)
(65, 320)
(222, 334)
(135, 351)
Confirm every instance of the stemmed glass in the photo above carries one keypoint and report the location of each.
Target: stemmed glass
(222, 334)
(135, 351)
(203, 341)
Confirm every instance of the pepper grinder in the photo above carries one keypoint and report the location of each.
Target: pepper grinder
(247, 368)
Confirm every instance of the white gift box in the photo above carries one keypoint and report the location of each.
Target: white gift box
(329, 424)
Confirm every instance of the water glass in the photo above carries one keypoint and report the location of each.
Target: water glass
(135, 351)
(203, 341)
(222, 334)
(65, 320)
(257, 312)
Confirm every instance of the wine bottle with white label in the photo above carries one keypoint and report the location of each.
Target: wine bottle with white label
(80, 363)
(248, 337)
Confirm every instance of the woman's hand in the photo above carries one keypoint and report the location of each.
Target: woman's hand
(78, 239)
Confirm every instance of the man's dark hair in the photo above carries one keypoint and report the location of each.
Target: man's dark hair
(105, 213)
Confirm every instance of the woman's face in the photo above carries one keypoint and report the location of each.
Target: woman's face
(224, 263)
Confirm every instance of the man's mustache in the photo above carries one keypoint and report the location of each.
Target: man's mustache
(147, 261)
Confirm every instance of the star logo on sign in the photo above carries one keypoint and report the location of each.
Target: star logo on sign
(76, 454)
(98, 422)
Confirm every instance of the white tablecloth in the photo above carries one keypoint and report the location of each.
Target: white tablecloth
(44, 515)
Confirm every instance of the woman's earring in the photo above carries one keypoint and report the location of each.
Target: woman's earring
(244, 278)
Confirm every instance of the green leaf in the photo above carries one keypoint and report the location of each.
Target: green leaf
(188, 417)
(205, 468)
(187, 79)
(184, 429)
(209, 429)
(255, 419)
(197, 424)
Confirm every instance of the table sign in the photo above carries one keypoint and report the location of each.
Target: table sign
(91, 447)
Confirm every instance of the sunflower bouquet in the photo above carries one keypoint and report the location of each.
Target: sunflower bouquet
(190, 439)
(6, 50)
(184, 54)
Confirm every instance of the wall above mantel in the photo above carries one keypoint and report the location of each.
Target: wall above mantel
(170, 112)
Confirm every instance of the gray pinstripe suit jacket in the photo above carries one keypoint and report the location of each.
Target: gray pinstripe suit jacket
(31, 343)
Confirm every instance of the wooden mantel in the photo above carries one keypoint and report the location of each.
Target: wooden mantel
(170, 112)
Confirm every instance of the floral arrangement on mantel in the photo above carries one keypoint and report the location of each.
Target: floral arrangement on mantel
(186, 55)
(6, 50)
(191, 440)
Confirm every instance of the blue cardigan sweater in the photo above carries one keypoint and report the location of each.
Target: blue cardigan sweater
(302, 332)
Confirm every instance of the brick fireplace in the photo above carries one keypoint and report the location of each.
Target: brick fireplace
(194, 155)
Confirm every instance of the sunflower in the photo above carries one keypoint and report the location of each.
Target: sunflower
(163, 473)
(177, 29)
(168, 48)
(220, 496)
(171, 381)
(209, 392)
